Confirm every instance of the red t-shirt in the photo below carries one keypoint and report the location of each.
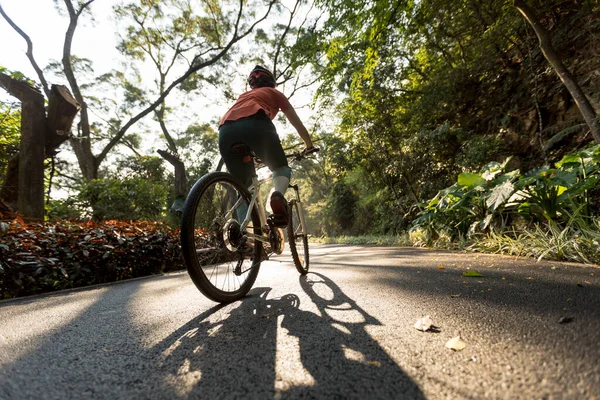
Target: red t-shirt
(263, 98)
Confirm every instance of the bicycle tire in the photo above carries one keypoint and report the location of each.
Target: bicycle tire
(203, 243)
(297, 236)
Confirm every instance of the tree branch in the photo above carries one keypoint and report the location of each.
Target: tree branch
(29, 52)
(567, 78)
(196, 66)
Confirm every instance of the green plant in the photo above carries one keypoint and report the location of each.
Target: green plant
(553, 194)
(469, 205)
(125, 199)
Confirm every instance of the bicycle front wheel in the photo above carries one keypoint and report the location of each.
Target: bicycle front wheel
(297, 238)
(221, 261)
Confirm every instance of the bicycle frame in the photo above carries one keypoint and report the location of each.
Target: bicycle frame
(256, 200)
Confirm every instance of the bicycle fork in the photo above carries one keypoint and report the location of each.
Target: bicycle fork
(300, 208)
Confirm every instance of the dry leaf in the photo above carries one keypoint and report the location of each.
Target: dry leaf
(441, 267)
(456, 344)
(424, 324)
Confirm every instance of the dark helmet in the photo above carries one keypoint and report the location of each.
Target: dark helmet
(261, 77)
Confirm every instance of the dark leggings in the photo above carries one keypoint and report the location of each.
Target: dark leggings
(261, 136)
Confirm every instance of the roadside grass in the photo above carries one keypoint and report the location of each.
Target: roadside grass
(375, 240)
(551, 242)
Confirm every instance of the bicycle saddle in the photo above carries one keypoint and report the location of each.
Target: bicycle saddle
(241, 149)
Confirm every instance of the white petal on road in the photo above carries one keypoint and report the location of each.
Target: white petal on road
(456, 343)
(424, 324)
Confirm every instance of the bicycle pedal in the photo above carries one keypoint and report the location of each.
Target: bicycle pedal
(277, 221)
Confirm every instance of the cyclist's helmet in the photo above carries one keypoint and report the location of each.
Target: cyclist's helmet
(261, 77)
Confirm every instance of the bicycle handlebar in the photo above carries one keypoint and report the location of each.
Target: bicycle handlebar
(299, 155)
(295, 156)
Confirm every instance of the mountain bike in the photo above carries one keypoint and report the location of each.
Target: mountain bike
(226, 234)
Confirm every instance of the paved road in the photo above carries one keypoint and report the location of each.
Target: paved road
(344, 331)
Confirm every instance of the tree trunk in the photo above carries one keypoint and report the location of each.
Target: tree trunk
(181, 188)
(62, 109)
(30, 182)
(23, 187)
(10, 187)
(563, 73)
(31, 156)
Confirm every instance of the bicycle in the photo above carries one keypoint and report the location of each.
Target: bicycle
(222, 254)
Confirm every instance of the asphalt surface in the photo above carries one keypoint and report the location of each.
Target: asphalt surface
(346, 330)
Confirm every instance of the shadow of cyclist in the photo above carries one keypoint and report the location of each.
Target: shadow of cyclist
(232, 351)
(226, 352)
(335, 348)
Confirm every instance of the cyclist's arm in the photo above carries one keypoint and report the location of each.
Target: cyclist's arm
(291, 115)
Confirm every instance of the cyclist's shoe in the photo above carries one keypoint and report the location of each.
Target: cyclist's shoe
(279, 218)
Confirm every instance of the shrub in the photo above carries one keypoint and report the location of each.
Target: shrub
(42, 257)
(552, 195)
(125, 199)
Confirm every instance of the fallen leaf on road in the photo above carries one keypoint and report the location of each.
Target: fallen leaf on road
(424, 324)
(374, 363)
(441, 267)
(456, 344)
(472, 274)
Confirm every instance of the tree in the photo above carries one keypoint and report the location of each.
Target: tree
(165, 34)
(237, 23)
(40, 135)
(563, 72)
(424, 90)
(10, 133)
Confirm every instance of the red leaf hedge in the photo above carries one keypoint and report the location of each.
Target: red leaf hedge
(40, 257)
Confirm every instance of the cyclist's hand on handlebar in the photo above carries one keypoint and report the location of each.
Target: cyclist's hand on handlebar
(309, 150)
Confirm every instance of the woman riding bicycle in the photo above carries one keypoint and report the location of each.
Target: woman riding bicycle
(248, 121)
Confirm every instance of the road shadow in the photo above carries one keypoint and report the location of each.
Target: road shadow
(338, 352)
(233, 351)
(235, 356)
(96, 354)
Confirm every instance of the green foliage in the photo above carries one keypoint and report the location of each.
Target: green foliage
(38, 258)
(377, 240)
(425, 89)
(144, 167)
(342, 203)
(128, 199)
(551, 242)
(18, 76)
(64, 209)
(10, 134)
(558, 196)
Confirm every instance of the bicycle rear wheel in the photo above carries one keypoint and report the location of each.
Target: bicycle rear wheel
(220, 260)
(298, 239)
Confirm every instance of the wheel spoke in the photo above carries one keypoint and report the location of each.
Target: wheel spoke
(220, 262)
